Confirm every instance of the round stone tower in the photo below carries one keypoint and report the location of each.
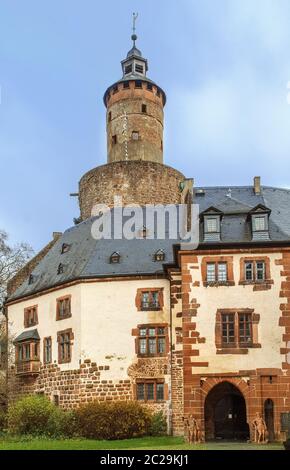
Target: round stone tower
(135, 169)
(135, 113)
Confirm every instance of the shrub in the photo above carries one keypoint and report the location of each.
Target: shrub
(37, 416)
(119, 420)
(158, 424)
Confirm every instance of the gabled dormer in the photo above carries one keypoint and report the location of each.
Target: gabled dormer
(211, 219)
(259, 217)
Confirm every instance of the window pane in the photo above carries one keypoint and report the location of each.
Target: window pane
(142, 332)
(160, 391)
(228, 328)
(145, 299)
(140, 392)
(151, 332)
(161, 331)
(142, 346)
(155, 299)
(150, 391)
(161, 345)
(249, 271)
(245, 328)
(260, 223)
(260, 266)
(222, 272)
(212, 225)
(210, 272)
(152, 345)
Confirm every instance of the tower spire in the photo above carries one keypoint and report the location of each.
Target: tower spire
(134, 35)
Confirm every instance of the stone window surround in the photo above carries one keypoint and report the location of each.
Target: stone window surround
(58, 300)
(254, 259)
(27, 313)
(236, 348)
(136, 333)
(33, 346)
(155, 381)
(71, 336)
(44, 350)
(229, 260)
(138, 298)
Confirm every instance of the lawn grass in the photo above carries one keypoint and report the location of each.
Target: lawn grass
(146, 443)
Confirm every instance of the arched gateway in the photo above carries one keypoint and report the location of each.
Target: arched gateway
(225, 413)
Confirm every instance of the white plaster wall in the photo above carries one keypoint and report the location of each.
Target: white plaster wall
(103, 316)
(109, 314)
(266, 303)
(47, 324)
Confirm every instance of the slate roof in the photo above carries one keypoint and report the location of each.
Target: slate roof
(30, 334)
(89, 258)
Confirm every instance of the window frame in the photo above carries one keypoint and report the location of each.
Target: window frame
(59, 301)
(64, 340)
(254, 263)
(244, 331)
(146, 383)
(147, 337)
(140, 304)
(217, 272)
(27, 313)
(47, 359)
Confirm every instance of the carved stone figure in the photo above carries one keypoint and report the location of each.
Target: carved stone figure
(259, 430)
(193, 433)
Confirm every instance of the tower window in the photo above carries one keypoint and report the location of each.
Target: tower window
(161, 144)
(128, 69)
(110, 116)
(115, 89)
(65, 248)
(144, 108)
(115, 258)
(135, 135)
(114, 139)
(158, 92)
(139, 68)
(126, 85)
(159, 255)
(138, 84)
(149, 86)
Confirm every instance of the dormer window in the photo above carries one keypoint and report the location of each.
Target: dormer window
(260, 222)
(159, 255)
(60, 269)
(115, 258)
(212, 224)
(65, 248)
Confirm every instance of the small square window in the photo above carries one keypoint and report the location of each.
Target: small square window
(138, 84)
(144, 108)
(142, 332)
(149, 86)
(135, 135)
(260, 224)
(212, 225)
(114, 139)
(126, 85)
(151, 332)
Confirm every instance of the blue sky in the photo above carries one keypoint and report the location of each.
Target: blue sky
(224, 65)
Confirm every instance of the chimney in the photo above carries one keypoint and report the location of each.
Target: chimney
(257, 185)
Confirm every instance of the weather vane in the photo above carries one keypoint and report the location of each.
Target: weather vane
(134, 36)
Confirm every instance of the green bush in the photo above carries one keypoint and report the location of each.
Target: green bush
(37, 416)
(119, 420)
(158, 425)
